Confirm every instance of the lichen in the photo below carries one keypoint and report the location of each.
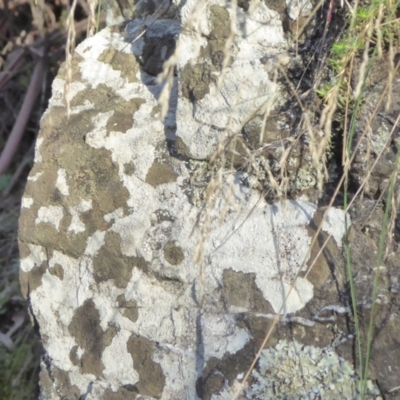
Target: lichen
(293, 371)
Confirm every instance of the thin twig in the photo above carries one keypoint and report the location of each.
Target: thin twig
(23, 116)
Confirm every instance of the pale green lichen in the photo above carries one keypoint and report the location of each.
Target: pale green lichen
(380, 138)
(293, 371)
(304, 179)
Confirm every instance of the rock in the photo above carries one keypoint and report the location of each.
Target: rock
(376, 131)
(117, 12)
(118, 204)
(220, 111)
(296, 8)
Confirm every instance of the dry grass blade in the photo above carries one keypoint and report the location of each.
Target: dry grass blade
(308, 20)
(92, 22)
(69, 51)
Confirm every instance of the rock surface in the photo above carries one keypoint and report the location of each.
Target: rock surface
(377, 131)
(117, 206)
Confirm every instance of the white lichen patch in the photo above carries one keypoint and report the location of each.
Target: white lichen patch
(270, 242)
(97, 72)
(36, 258)
(52, 296)
(117, 350)
(155, 303)
(95, 243)
(34, 178)
(115, 215)
(61, 182)
(63, 294)
(221, 335)
(335, 224)
(77, 225)
(26, 202)
(38, 157)
(96, 137)
(194, 15)
(51, 215)
(262, 29)
(132, 239)
(291, 370)
(170, 358)
(58, 86)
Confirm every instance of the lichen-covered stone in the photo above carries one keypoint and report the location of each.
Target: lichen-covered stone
(247, 88)
(116, 203)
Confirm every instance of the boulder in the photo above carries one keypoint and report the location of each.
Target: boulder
(153, 261)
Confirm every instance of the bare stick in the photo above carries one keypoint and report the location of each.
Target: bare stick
(23, 116)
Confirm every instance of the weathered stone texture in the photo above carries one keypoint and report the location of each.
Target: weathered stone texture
(115, 204)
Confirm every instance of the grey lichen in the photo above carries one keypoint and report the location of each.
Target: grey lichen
(293, 371)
